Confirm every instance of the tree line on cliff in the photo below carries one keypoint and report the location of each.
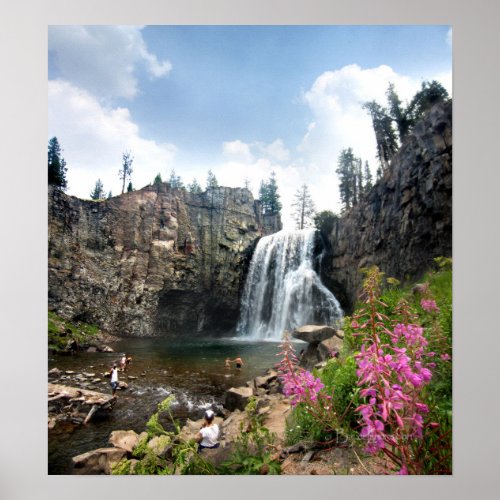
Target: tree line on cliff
(391, 125)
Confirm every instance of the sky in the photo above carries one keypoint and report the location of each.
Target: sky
(242, 101)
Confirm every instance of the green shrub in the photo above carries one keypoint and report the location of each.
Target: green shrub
(253, 448)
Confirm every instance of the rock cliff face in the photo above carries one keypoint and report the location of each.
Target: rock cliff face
(405, 220)
(154, 261)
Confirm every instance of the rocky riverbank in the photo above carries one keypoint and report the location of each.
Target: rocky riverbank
(136, 451)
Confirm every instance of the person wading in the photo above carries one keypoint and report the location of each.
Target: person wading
(114, 378)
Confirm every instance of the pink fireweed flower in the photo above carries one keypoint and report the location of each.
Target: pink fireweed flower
(429, 305)
(403, 471)
(445, 357)
(301, 386)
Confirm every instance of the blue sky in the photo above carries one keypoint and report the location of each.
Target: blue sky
(240, 100)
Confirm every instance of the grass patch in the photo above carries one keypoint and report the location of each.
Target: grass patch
(62, 333)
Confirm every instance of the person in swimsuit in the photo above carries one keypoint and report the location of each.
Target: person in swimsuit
(238, 361)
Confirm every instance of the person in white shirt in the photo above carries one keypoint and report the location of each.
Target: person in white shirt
(208, 437)
(114, 378)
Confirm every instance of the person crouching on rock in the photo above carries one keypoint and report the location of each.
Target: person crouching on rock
(208, 437)
(114, 378)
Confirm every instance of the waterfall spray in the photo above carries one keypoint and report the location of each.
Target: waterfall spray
(282, 290)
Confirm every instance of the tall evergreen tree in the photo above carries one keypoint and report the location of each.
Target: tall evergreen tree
(175, 181)
(194, 187)
(125, 172)
(358, 182)
(269, 195)
(130, 188)
(211, 180)
(157, 181)
(304, 208)
(385, 135)
(98, 192)
(56, 165)
(398, 113)
(346, 171)
(429, 94)
(368, 179)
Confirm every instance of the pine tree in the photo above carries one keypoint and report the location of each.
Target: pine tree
(368, 180)
(346, 171)
(157, 181)
(56, 165)
(211, 180)
(126, 170)
(358, 180)
(269, 196)
(175, 181)
(110, 195)
(247, 184)
(385, 135)
(304, 208)
(429, 94)
(130, 187)
(194, 187)
(398, 113)
(98, 192)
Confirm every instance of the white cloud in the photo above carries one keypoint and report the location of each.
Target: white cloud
(449, 37)
(94, 137)
(237, 151)
(339, 122)
(275, 151)
(103, 59)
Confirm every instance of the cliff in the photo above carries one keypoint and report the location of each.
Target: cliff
(405, 220)
(153, 261)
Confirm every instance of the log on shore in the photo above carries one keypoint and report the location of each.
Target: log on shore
(76, 404)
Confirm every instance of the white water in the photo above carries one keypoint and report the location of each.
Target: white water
(282, 290)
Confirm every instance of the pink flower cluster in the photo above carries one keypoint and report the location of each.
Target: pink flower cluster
(394, 375)
(429, 305)
(301, 386)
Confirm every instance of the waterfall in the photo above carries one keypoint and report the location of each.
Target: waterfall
(282, 290)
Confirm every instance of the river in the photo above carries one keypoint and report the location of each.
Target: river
(192, 370)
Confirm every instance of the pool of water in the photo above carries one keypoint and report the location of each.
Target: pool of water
(192, 370)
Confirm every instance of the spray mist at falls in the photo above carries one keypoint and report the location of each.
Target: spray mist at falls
(282, 290)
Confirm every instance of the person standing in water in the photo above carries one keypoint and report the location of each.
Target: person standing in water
(238, 361)
(114, 378)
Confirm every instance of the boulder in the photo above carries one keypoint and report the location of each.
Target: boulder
(160, 445)
(266, 380)
(237, 398)
(217, 456)
(126, 440)
(313, 334)
(98, 461)
(314, 354)
(55, 372)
